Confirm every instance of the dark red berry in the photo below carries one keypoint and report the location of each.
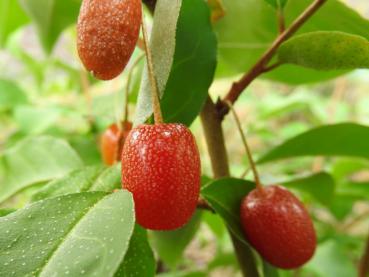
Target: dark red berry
(112, 141)
(107, 35)
(161, 167)
(278, 226)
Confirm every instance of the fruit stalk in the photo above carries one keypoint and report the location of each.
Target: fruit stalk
(247, 148)
(154, 86)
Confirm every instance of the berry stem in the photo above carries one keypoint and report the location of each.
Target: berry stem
(128, 87)
(154, 86)
(246, 145)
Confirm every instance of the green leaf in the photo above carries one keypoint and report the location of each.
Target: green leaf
(331, 260)
(225, 196)
(77, 234)
(184, 274)
(139, 260)
(36, 160)
(10, 95)
(343, 168)
(185, 69)
(51, 17)
(4, 212)
(344, 139)
(93, 178)
(321, 186)
(171, 244)
(250, 27)
(269, 270)
(11, 18)
(277, 3)
(360, 190)
(325, 50)
(35, 120)
(342, 205)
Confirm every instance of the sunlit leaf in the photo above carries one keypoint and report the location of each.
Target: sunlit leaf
(76, 235)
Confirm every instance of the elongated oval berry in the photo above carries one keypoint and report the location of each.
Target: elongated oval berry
(111, 146)
(107, 33)
(161, 167)
(278, 226)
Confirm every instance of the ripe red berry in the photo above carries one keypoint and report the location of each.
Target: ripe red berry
(278, 226)
(161, 167)
(107, 35)
(111, 146)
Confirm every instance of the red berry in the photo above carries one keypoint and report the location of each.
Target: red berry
(107, 35)
(278, 226)
(161, 167)
(110, 142)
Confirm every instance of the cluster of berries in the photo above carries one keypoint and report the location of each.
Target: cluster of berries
(161, 162)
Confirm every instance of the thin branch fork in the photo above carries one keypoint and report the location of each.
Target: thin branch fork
(261, 66)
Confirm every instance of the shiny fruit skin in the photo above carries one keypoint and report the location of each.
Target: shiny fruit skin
(107, 33)
(161, 167)
(278, 226)
(110, 142)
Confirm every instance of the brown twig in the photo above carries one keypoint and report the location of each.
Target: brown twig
(203, 205)
(259, 68)
(363, 270)
(281, 20)
(214, 137)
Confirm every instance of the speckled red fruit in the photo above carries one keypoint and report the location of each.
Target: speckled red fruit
(161, 167)
(278, 226)
(110, 142)
(107, 33)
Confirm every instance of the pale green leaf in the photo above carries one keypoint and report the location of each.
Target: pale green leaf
(77, 234)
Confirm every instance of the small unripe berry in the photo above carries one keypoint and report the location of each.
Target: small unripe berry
(278, 226)
(161, 167)
(107, 33)
(112, 141)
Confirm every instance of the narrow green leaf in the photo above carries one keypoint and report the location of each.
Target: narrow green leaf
(225, 196)
(360, 190)
(321, 186)
(139, 260)
(170, 245)
(277, 3)
(185, 69)
(51, 17)
(325, 50)
(269, 270)
(344, 139)
(11, 95)
(11, 18)
(4, 212)
(94, 178)
(36, 160)
(77, 234)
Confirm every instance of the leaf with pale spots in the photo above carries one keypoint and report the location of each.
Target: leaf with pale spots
(139, 259)
(326, 50)
(36, 160)
(77, 234)
(93, 178)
